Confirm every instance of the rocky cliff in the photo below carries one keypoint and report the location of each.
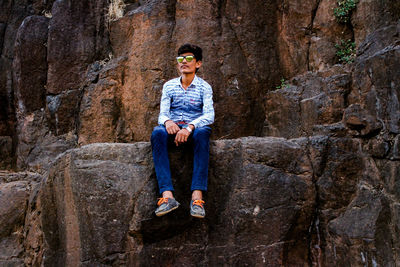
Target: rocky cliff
(316, 185)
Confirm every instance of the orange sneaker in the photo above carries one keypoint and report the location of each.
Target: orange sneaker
(166, 205)
(197, 209)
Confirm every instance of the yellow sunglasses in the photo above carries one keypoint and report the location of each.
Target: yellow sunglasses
(181, 58)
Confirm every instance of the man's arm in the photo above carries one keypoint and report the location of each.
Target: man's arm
(208, 109)
(165, 105)
(164, 117)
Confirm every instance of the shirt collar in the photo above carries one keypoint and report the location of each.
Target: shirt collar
(195, 82)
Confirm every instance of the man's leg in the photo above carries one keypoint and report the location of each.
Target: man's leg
(159, 144)
(201, 148)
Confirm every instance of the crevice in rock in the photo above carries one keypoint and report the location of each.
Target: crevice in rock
(310, 32)
(243, 52)
(171, 11)
(3, 34)
(315, 234)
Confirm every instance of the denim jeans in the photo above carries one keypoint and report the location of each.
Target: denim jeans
(200, 138)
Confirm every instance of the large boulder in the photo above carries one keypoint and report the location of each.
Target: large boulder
(271, 201)
(97, 207)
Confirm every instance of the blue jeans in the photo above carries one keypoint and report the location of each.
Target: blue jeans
(200, 138)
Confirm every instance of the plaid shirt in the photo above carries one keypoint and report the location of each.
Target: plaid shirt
(193, 106)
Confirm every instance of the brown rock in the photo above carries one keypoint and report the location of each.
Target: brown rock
(354, 211)
(307, 105)
(100, 108)
(30, 66)
(359, 120)
(5, 152)
(13, 199)
(103, 186)
(38, 146)
(77, 37)
(326, 33)
(372, 15)
(231, 63)
(15, 189)
(295, 22)
(376, 79)
(12, 13)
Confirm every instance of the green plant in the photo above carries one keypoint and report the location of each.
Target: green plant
(346, 51)
(284, 84)
(344, 9)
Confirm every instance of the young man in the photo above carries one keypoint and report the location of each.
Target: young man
(186, 110)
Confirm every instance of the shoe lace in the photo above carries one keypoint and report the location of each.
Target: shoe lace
(162, 200)
(198, 202)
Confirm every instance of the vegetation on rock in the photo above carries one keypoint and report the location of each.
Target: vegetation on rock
(284, 84)
(346, 51)
(344, 9)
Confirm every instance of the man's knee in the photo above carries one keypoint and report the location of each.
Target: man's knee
(159, 132)
(202, 133)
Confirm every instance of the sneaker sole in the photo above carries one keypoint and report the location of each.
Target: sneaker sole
(198, 216)
(165, 212)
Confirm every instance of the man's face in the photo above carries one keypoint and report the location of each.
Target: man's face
(188, 67)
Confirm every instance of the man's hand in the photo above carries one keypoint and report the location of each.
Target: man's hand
(181, 137)
(171, 127)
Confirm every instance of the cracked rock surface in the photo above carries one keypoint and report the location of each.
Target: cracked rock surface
(317, 184)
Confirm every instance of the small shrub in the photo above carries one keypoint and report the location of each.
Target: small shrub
(346, 51)
(344, 9)
(284, 84)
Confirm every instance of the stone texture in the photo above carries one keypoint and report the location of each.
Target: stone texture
(329, 197)
(5, 152)
(309, 105)
(77, 37)
(38, 146)
(326, 33)
(376, 79)
(15, 189)
(326, 201)
(116, 98)
(97, 207)
(231, 65)
(372, 15)
(12, 13)
(30, 65)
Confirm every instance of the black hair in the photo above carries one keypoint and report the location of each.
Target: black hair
(190, 48)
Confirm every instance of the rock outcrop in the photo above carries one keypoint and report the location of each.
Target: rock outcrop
(98, 77)
(271, 201)
(319, 186)
(97, 207)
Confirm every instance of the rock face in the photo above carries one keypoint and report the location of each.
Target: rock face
(325, 202)
(318, 187)
(97, 207)
(15, 190)
(92, 79)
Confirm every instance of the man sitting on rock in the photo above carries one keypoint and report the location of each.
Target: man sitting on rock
(186, 110)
